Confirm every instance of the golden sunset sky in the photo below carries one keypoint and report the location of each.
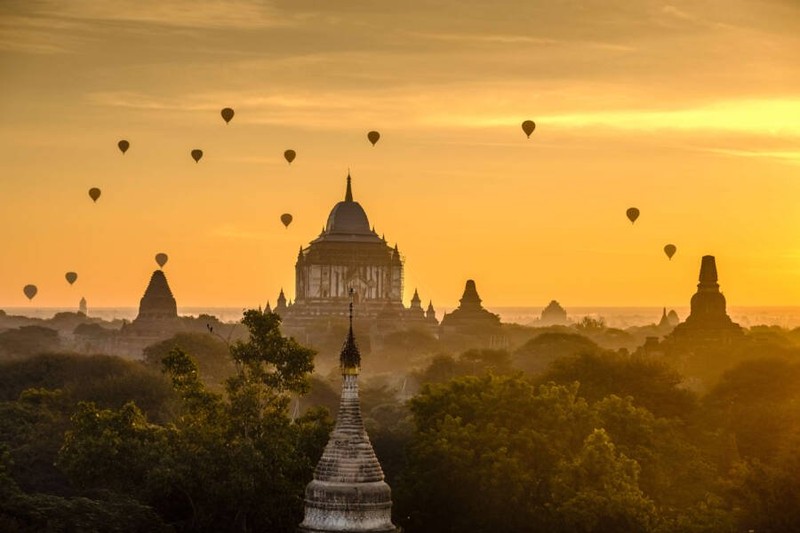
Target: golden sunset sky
(688, 110)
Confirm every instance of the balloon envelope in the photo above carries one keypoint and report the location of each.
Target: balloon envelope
(227, 114)
(94, 193)
(161, 259)
(289, 155)
(71, 277)
(670, 250)
(528, 126)
(30, 291)
(197, 154)
(632, 214)
(123, 146)
(286, 218)
(373, 137)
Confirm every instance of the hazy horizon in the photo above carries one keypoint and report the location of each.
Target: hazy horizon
(689, 111)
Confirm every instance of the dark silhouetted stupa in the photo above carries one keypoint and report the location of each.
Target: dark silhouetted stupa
(470, 313)
(348, 492)
(157, 302)
(157, 318)
(708, 319)
(553, 315)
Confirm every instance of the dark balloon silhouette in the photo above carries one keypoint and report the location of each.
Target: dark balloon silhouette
(632, 214)
(227, 114)
(289, 155)
(123, 146)
(286, 218)
(30, 291)
(670, 250)
(161, 259)
(71, 277)
(94, 193)
(528, 126)
(197, 154)
(373, 137)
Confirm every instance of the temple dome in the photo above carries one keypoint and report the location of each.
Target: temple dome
(348, 222)
(348, 217)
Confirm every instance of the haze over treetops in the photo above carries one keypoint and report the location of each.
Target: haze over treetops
(689, 111)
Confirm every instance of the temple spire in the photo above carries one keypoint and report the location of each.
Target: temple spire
(708, 272)
(350, 358)
(348, 196)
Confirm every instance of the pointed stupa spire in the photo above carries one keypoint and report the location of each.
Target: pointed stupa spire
(430, 313)
(281, 302)
(350, 357)
(664, 322)
(348, 195)
(416, 303)
(269, 308)
(396, 259)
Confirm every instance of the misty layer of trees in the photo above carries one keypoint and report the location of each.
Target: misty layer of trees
(557, 433)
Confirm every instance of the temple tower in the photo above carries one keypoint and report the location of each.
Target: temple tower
(281, 307)
(553, 315)
(708, 319)
(430, 314)
(348, 492)
(470, 313)
(157, 302)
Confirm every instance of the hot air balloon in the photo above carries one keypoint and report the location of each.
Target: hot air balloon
(94, 193)
(289, 155)
(227, 114)
(161, 259)
(528, 126)
(71, 277)
(123, 146)
(373, 137)
(670, 250)
(286, 218)
(633, 214)
(30, 291)
(197, 154)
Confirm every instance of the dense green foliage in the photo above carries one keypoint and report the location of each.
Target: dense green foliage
(26, 341)
(557, 434)
(211, 354)
(215, 462)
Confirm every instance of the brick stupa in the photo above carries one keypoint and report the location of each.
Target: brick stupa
(470, 313)
(157, 302)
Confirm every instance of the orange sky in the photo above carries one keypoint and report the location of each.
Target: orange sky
(688, 110)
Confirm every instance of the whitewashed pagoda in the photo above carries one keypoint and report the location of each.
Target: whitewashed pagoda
(348, 492)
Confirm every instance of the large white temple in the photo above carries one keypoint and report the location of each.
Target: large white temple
(349, 254)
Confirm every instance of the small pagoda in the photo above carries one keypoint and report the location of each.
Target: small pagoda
(708, 319)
